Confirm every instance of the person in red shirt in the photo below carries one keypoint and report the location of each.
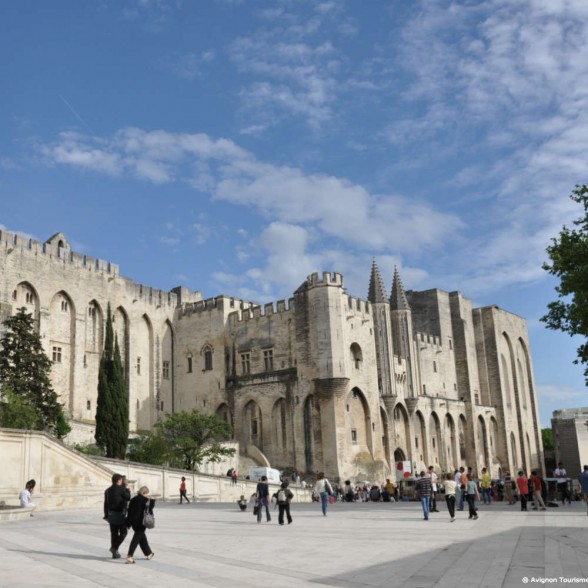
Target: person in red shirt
(183, 491)
(537, 491)
(523, 486)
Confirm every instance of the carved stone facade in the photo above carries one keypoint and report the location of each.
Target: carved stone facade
(324, 381)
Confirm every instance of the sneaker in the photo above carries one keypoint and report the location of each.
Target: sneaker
(475, 517)
(452, 519)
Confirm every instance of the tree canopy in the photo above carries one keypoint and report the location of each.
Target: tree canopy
(29, 400)
(112, 407)
(194, 438)
(569, 263)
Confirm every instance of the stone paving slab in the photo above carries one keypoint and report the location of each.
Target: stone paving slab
(364, 545)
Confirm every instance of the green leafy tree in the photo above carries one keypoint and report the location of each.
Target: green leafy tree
(112, 407)
(25, 371)
(547, 436)
(569, 263)
(150, 448)
(16, 412)
(194, 438)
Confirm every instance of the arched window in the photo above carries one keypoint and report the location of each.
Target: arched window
(207, 353)
(356, 355)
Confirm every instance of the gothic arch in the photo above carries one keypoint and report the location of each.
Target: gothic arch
(358, 420)
(516, 464)
(61, 335)
(223, 413)
(437, 451)
(461, 432)
(356, 355)
(420, 437)
(313, 450)
(26, 295)
(386, 437)
(206, 353)
(401, 428)
(279, 442)
(142, 393)
(94, 340)
(252, 425)
(451, 443)
(165, 359)
(483, 453)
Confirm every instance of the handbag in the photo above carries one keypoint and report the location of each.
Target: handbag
(117, 517)
(148, 518)
(255, 510)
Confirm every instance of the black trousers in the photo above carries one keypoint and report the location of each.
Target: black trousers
(450, 501)
(117, 535)
(523, 498)
(183, 495)
(140, 539)
(284, 508)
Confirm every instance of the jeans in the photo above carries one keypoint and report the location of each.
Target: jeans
(324, 502)
(263, 502)
(472, 505)
(487, 495)
(462, 498)
(425, 501)
(450, 501)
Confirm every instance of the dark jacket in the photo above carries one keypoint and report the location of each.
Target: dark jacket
(115, 499)
(263, 490)
(137, 510)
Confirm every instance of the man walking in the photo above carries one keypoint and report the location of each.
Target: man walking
(562, 483)
(424, 487)
(116, 498)
(434, 488)
(537, 482)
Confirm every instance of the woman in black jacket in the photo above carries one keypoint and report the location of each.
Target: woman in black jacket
(135, 519)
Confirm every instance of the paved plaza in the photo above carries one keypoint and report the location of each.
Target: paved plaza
(370, 544)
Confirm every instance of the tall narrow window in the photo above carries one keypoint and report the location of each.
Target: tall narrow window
(268, 360)
(245, 364)
(165, 370)
(208, 359)
(56, 354)
(189, 365)
(138, 366)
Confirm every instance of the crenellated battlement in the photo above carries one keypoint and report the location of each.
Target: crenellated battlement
(356, 305)
(221, 302)
(257, 311)
(425, 340)
(328, 279)
(13, 243)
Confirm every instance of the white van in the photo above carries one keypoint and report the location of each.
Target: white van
(273, 476)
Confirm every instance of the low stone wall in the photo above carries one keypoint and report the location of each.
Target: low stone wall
(67, 479)
(165, 483)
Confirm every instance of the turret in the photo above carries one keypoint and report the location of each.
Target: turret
(382, 331)
(402, 333)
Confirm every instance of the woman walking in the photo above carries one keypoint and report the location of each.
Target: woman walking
(450, 486)
(137, 507)
(472, 496)
(323, 488)
(263, 497)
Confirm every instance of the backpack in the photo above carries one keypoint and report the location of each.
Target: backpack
(282, 496)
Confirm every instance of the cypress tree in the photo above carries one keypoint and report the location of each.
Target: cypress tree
(25, 369)
(112, 408)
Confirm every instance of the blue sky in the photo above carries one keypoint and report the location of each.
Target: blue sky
(237, 146)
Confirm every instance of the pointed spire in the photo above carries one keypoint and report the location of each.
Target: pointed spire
(376, 292)
(398, 299)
